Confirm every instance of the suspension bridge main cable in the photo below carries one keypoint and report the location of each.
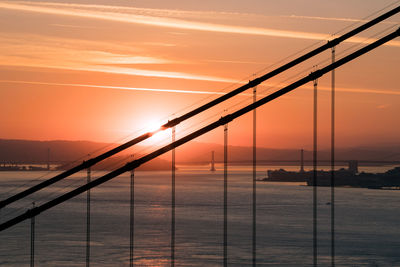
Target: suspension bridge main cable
(124, 159)
(143, 151)
(222, 121)
(176, 121)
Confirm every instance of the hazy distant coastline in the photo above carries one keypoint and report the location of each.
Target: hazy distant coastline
(67, 153)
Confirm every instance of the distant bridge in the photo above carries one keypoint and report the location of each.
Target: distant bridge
(341, 162)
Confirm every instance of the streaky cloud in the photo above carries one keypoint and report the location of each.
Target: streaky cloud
(118, 87)
(356, 90)
(335, 19)
(73, 26)
(130, 71)
(165, 90)
(118, 15)
(47, 53)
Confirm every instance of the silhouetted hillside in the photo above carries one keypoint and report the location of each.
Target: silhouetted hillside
(201, 152)
(26, 151)
(65, 152)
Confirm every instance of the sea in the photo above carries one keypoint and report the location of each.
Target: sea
(367, 221)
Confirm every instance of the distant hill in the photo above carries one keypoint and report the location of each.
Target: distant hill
(201, 153)
(27, 151)
(65, 152)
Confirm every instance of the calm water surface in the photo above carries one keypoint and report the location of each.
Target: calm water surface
(367, 222)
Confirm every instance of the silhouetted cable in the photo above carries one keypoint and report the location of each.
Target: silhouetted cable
(25, 184)
(353, 47)
(366, 17)
(51, 171)
(176, 121)
(47, 195)
(333, 162)
(222, 121)
(132, 219)
(315, 175)
(82, 166)
(173, 202)
(225, 195)
(298, 60)
(33, 238)
(88, 221)
(254, 242)
(264, 69)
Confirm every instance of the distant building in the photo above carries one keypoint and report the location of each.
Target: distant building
(353, 166)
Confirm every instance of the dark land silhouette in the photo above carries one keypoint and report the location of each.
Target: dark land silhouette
(67, 153)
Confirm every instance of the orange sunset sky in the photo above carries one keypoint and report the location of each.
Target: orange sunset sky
(103, 70)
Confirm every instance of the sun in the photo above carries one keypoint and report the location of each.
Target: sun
(152, 125)
(161, 137)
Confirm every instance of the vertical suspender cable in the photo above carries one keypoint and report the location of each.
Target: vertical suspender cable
(173, 202)
(88, 221)
(254, 244)
(315, 255)
(222, 121)
(33, 239)
(132, 218)
(200, 109)
(212, 162)
(333, 163)
(225, 195)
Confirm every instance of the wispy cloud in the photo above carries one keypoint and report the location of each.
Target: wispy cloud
(235, 61)
(173, 13)
(125, 71)
(202, 92)
(60, 53)
(356, 90)
(160, 44)
(369, 91)
(383, 106)
(118, 87)
(159, 18)
(335, 19)
(17, 40)
(73, 26)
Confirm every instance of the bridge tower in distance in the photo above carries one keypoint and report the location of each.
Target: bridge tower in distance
(212, 162)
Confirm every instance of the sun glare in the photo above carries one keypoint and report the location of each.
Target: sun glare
(152, 126)
(159, 138)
